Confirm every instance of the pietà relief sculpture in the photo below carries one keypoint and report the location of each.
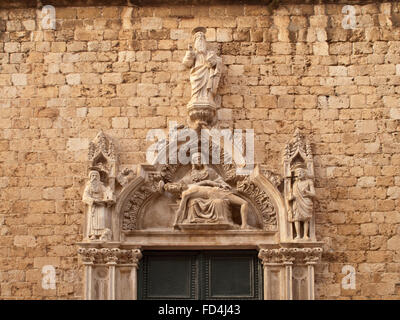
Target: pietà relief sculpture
(200, 204)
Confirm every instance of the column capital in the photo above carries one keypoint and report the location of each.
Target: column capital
(88, 255)
(288, 256)
(110, 256)
(132, 256)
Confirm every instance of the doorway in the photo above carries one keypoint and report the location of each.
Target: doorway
(200, 275)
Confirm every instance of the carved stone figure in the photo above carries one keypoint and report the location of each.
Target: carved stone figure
(99, 199)
(298, 187)
(205, 74)
(206, 198)
(302, 202)
(125, 176)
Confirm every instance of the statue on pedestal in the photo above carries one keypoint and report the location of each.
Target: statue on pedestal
(99, 199)
(205, 74)
(301, 198)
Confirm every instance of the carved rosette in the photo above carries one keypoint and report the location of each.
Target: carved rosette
(290, 255)
(110, 256)
(262, 201)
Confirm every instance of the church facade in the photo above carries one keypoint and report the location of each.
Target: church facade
(211, 150)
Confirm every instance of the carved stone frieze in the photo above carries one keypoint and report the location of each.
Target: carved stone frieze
(110, 256)
(88, 255)
(136, 201)
(262, 201)
(290, 255)
(273, 177)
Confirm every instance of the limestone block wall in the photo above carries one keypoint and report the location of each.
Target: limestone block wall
(118, 68)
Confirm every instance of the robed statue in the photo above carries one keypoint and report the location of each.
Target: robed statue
(205, 75)
(99, 199)
(301, 198)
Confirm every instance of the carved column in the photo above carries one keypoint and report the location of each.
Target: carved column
(277, 273)
(288, 258)
(311, 258)
(136, 256)
(111, 256)
(88, 258)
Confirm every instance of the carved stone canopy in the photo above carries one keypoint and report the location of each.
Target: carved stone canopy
(102, 156)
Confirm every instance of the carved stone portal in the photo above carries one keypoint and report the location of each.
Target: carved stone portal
(193, 205)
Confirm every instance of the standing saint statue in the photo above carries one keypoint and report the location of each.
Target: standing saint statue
(205, 74)
(206, 198)
(99, 199)
(302, 196)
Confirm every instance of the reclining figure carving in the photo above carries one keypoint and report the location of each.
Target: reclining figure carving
(206, 198)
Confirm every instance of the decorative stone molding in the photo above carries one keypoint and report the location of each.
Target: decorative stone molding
(88, 255)
(262, 200)
(134, 204)
(117, 256)
(273, 177)
(295, 255)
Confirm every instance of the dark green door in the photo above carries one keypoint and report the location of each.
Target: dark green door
(200, 275)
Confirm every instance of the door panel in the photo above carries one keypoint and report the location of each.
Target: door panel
(200, 275)
(228, 277)
(168, 276)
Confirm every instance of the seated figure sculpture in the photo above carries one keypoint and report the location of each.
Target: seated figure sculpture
(206, 198)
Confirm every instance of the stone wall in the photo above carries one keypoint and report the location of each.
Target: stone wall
(118, 68)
